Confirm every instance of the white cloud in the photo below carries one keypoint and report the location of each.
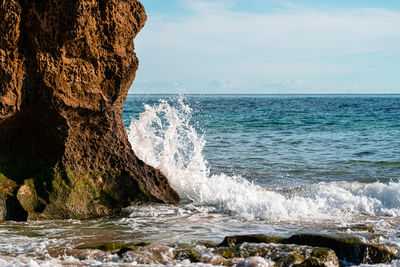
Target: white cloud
(291, 44)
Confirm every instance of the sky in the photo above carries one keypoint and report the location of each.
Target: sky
(269, 47)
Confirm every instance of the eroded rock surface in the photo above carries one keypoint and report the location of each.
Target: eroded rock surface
(65, 70)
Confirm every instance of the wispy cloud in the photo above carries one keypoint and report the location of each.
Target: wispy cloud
(206, 7)
(293, 43)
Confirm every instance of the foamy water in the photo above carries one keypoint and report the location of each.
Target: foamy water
(164, 137)
(223, 201)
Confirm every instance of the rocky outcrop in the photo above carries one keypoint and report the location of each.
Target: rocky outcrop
(65, 70)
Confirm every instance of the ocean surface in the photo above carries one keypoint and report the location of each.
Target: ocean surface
(270, 164)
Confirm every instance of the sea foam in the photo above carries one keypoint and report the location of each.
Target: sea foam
(164, 137)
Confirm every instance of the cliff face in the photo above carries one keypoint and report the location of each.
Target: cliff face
(65, 70)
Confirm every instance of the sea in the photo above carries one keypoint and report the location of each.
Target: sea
(242, 164)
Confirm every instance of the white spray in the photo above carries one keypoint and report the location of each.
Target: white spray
(164, 138)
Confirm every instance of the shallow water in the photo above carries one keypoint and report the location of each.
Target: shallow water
(275, 165)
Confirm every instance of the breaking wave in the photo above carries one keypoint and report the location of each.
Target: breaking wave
(164, 137)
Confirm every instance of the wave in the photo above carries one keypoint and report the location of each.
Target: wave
(164, 137)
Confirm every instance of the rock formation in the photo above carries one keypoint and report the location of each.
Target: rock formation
(65, 70)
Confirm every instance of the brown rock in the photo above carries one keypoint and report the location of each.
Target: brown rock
(29, 200)
(347, 249)
(253, 238)
(326, 249)
(65, 71)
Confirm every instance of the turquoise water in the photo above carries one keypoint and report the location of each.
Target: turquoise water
(275, 165)
(282, 141)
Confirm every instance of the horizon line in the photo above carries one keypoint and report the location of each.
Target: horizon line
(260, 94)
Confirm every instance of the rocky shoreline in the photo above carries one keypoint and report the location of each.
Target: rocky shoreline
(306, 249)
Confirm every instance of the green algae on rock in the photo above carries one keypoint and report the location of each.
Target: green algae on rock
(190, 254)
(7, 186)
(255, 238)
(347, 249)
(65, 71)
(281, 255)
(114, 246)
(29, 199)
(10, 207)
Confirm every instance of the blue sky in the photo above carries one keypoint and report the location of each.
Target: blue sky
(269, 46)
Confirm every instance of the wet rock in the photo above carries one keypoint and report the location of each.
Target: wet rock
(229, 252)
(214, 260)
(10, 208)
(347, 249)
(281, 255)
(256, 238)
(320, 257)
(190, 254)
(363, 227)
(114, 246)
(378, 253)
(253, 262)
(123, 250)
(65, 71)
(29, 200)
(153, 254)
(80, 254)
(326, 249)
(358, 228)
(208, 244)
(7, 186)
(3, 206)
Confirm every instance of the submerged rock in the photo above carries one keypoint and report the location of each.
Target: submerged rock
(114, 246)
(281, 255)
(65, 71)
(153, 254)
(348, 249)
(190, 254)
(256, 238)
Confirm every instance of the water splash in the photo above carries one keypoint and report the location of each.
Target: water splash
(165, 138)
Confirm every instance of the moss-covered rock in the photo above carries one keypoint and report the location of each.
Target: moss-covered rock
(3, 206)
(311, 262)
(362, 227)
(377, 253)
(187, 254)
(255, 238)
(51, 192)
(320, 257)
(29, 199)
(349, 249)
(283, 255)
(326, 249)
(7, 188)
(82, 195)
(114, 246)
(6, 185)
(153, 254)
(229, 252)
(208, 244)
(10, 209)
(291, 259)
